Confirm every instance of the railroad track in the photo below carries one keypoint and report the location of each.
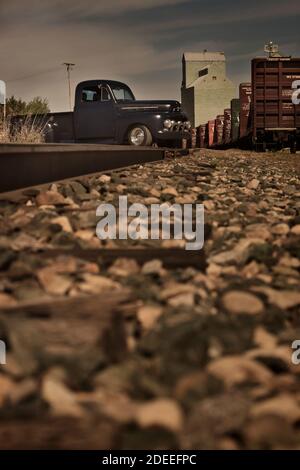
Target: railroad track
(25, 165)
(170, 258)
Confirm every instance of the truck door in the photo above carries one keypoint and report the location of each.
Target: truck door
(95, 115)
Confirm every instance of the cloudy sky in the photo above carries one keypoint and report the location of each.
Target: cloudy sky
(136, 41)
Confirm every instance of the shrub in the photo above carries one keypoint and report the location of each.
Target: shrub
(26, 131)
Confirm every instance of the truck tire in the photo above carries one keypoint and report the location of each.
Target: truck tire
(139, 135)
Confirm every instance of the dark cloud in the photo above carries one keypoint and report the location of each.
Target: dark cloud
(137, 41)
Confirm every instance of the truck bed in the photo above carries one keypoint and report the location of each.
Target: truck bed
(59, 127)
(56, 127)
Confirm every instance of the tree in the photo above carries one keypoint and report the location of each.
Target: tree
(14, 106)
(37, 105)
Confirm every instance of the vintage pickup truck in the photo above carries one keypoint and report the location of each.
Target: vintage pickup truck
(106, 111)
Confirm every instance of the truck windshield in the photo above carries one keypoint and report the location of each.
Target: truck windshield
(122, 93)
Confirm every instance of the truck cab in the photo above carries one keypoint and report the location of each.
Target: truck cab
(106, 111)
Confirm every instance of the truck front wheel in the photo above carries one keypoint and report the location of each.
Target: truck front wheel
(139, 135)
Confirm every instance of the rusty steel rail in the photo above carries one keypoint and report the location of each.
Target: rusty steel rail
(25, 165)
(171, 258)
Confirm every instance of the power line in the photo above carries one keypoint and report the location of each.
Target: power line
(26, 77)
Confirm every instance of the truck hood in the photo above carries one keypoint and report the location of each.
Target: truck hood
(162, 105)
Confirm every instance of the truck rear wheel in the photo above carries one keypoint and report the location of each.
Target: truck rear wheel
(139, 135)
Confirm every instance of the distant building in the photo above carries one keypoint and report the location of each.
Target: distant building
(205, 91)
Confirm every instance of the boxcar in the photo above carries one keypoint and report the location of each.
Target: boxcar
(219, 126)
(275, 119)
(235, 119)
(210, 132)
(245, 94)
(201, 135)
(227, 126)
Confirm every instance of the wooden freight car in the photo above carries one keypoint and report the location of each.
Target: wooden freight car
(275, 118)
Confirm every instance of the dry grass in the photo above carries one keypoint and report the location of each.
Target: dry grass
(27, 131)
(4, 132)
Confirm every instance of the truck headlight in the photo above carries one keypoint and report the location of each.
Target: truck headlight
(168, 123)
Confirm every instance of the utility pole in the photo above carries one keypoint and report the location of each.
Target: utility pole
(69, 67)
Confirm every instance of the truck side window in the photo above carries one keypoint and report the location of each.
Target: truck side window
(90, 94)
